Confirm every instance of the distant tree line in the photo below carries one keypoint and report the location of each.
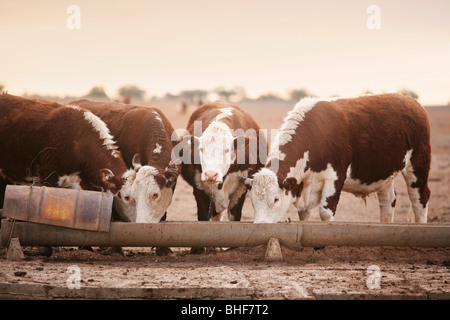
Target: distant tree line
(237, 93)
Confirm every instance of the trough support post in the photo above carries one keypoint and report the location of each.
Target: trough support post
(273, 250)
(14, 252)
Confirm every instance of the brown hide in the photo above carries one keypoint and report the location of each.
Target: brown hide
(138, 130)
(47, 140)
(372, 133)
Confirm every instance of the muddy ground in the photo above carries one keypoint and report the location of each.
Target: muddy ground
(307, 273)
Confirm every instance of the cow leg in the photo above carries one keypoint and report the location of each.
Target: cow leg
(205, 209)
(331, 193)
(387, 200)
(163, 251)
(416, 176)
(2, 192)
(203, 205)
(236, 203)
(216, 216)
(304, 215)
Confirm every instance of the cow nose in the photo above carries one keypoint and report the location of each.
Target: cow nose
(211, 175)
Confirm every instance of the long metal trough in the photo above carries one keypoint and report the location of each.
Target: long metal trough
(231, 234)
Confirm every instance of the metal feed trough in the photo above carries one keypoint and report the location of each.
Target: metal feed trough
(36, 230)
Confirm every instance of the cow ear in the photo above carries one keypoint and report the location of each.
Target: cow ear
(137, 162)
(108, 178)
(248, 183)
(289, 184)
(171, 174)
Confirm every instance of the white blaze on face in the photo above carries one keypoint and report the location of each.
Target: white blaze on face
(151, 200)
(142, 200)
(124, 202)
(216, 151)
(270, 202)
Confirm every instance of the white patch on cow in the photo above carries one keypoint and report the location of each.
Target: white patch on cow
(101, 128)
(386, 194)
(293, 119)
(359, 189)
(150, 209)
(298, 172)
(70, 106)
(224, 113)
(320, 187)
(407, 163)
(103, 131)
(385, 198)
(215, 140)
(148, 202)
(269, 201)
(157, 117)
(417, 212)
(158, 148)
(71, 181)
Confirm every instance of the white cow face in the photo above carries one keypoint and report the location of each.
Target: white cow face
(270, 202)
(146, 193)
(216, 152)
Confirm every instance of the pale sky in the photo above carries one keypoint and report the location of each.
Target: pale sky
(171, 45)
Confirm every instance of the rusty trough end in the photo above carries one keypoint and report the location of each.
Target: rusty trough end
(231, 234)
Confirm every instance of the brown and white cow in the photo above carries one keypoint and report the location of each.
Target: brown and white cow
(226, 148)
(357, 145)
(46, 143)
(144, 136)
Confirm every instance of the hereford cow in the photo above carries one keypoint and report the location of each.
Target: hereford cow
(356, 145)
(147, 132)
(224, 148)
(46, 143)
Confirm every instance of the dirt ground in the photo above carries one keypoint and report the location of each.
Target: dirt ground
(307, 273)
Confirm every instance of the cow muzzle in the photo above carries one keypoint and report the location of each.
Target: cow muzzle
(211, 177)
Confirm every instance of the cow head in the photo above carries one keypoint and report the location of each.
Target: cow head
(146, 193)
(216, 151)
(270, 200)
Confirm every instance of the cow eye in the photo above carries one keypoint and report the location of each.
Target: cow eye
(276, 199)
(155, 196)
(127, 198)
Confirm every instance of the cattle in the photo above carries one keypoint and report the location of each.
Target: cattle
(144, 137)
(226, 147)
(47, 143)
(357, 145)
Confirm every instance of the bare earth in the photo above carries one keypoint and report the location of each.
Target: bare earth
(307, 273)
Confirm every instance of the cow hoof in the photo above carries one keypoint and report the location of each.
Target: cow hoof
(39, 251)
(202, 250)
(164, 251)
(112, 250)
(197, 250)
(88, 248)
